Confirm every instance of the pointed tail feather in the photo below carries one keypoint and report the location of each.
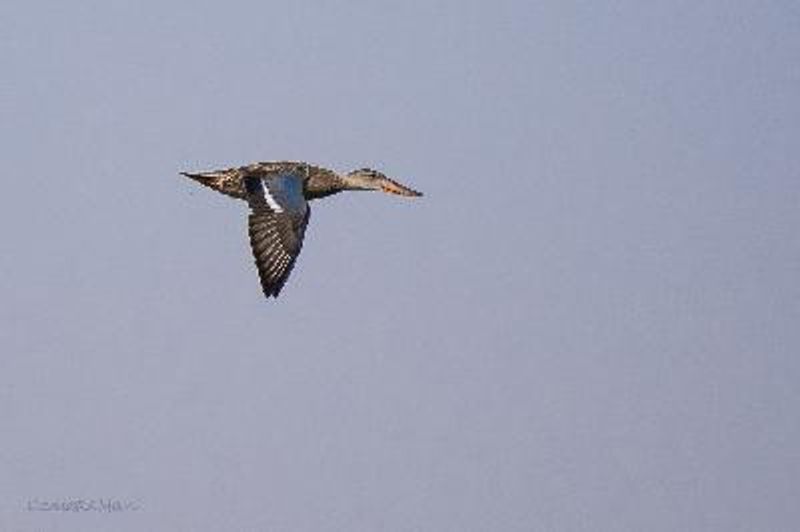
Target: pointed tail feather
(227, 182)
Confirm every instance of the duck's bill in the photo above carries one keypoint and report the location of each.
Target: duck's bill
(393, 187)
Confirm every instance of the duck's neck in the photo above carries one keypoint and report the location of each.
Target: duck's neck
(322, 182)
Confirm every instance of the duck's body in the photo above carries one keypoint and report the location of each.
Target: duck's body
(318, 182)
(278, 193)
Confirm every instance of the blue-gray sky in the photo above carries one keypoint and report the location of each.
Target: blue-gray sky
(590, 321)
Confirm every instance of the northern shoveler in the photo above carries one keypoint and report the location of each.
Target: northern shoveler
(278, 194)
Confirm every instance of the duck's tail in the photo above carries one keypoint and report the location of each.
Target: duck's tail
(228, 182)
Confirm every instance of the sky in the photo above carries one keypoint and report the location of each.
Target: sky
(589, 321)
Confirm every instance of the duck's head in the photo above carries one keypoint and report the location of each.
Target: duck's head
(368, 179)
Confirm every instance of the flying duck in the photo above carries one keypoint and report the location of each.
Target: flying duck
(278, 193)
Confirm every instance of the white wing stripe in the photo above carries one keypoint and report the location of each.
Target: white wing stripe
(270, 200)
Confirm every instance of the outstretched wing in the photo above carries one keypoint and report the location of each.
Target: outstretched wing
(276, 226)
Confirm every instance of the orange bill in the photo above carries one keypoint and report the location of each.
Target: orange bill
(393, 187)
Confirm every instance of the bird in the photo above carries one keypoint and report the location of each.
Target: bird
(278, 193)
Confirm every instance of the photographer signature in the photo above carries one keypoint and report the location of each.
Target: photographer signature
(101, 505)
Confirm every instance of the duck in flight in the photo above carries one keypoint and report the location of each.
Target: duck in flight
(278, 194)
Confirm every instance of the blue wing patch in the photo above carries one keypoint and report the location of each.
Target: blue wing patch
(286, 190)
(281, 192)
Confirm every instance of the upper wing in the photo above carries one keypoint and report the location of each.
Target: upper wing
(276, 226)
